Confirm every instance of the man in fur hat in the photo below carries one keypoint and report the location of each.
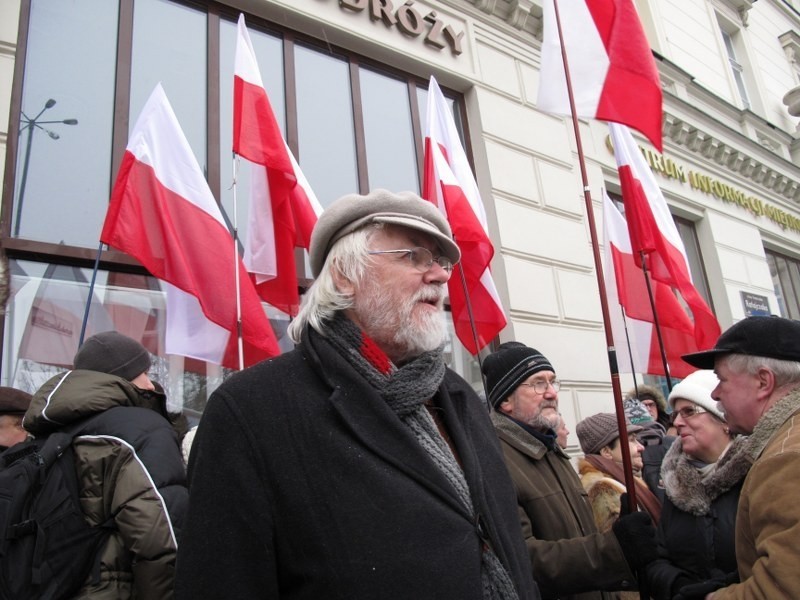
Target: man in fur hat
(13, 404)
(356, 465)
(757, 361)
(569, 557)
(128, 459)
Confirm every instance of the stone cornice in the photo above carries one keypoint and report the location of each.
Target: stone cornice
(523, 15)
(744, 162)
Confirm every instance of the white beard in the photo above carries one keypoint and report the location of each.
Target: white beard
(406, 330)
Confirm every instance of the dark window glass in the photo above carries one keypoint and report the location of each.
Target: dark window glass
(785, 273)
(388, 132)
(325, 124)
(688, 234)
(177, 61)
(64, 159)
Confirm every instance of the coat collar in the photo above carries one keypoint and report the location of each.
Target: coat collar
(512, 433)
(771, 421)
(684, 484)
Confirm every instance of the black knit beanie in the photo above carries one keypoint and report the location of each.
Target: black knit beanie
(507, 367)
(113, 353)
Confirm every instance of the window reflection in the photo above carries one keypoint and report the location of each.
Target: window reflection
(269, 54)
(325, 124)
(66, 166)
(388, 132)
(177, 61)
(45, 314)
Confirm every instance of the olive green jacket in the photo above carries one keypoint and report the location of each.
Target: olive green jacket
(130, 474)
(570, 559)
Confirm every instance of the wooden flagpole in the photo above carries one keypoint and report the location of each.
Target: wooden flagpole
(656, 324)
(474, 331)
(612, 353)
(236, 264)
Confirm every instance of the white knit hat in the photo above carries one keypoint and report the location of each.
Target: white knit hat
(697, 388)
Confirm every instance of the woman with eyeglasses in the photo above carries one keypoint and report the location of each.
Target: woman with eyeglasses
(702, 474)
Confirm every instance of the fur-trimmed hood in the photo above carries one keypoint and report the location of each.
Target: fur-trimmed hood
(684, 484)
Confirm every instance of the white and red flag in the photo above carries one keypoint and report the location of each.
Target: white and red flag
(283, 208)
(162, 212)
(448, 183)
(653, 233)
(635, 337)
(612, 70)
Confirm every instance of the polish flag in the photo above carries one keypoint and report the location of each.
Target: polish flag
(283, 208)
(632, 322)
(612, 70)
(162, 212)
(653, 233)
(450, 185)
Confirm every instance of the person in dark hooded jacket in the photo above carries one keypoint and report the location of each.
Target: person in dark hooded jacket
(128, 462)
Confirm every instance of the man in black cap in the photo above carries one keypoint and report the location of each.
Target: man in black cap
(356, 465)
(129, 463)
(757, 362)
(13, 404)
(569, 557)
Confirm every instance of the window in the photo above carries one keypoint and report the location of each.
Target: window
(731, 39)
(691, 244)
(89, 68)
(785, 273)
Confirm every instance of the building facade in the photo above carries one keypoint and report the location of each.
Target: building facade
(348, 81)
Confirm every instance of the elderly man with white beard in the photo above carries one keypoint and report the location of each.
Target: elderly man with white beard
(356, 466)
(569, 558)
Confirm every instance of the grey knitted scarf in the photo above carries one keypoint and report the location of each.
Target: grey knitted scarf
(406, 389)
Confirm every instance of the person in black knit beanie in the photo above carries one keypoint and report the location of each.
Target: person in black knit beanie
(568, 556)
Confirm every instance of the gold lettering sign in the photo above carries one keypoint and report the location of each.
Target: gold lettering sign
(714, 187)
(410, 22)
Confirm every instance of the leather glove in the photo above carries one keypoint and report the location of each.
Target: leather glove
(637, 537)
(680, 582)
(698, 591)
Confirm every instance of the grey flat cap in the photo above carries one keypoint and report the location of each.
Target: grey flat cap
(354, 211)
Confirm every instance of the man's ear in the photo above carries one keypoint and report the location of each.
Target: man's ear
(343, 284)
(506, 406)
(605, 452)
(766, 382)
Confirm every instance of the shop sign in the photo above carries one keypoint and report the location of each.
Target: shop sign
(410, 21)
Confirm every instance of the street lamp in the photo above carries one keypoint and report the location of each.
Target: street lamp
(31, 125)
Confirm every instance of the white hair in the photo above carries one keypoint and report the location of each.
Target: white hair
(350, 257)
(786, 371)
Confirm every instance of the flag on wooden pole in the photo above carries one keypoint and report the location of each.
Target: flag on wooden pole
(653, 233)
(613, 73)
(283, 207)
(162, 213)
(626, 288)
(450, 185)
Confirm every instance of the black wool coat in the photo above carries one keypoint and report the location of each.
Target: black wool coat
(304, 485)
